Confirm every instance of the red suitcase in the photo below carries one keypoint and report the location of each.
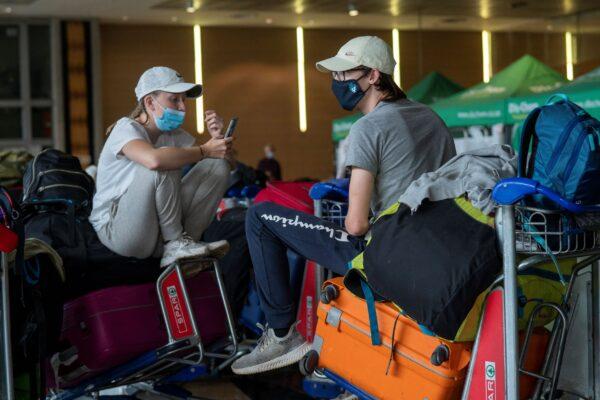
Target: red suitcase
(114, 325)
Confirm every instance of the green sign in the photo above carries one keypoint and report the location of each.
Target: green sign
(341, 126)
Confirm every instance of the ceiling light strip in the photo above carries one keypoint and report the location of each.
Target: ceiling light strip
(569, 54)
(301, 79)
(396, 48)
(198, 73)
(486, 49)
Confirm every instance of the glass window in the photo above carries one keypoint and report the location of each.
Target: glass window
(9, 62)
(41, 123)
(39, 61)
(10, 123)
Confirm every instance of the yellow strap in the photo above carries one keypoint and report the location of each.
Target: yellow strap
(473, 211)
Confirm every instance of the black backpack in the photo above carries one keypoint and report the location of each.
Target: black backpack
(57, 200)
(54, 177)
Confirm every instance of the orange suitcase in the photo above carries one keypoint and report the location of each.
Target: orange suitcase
(423, 366)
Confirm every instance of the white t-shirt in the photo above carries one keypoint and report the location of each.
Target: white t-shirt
(116, 172)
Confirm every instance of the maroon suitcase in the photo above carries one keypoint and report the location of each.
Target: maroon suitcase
(112, 326)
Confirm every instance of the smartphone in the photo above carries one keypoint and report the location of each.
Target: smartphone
(231, 127)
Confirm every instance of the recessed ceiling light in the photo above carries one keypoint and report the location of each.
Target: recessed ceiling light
(269, 21)
(8, 10)
(191, 7)
(352, 10)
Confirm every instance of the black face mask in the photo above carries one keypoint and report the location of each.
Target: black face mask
(348, 93)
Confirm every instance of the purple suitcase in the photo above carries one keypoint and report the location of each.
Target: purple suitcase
(112, 326)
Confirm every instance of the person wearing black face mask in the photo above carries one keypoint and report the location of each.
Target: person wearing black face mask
(395, 142)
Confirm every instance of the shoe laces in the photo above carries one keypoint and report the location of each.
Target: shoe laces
(265, 339)
(186, 239)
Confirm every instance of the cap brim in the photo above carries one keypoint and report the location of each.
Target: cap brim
(336, 64)
(190, 89)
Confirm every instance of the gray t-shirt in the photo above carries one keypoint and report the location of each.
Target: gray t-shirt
(398, 142)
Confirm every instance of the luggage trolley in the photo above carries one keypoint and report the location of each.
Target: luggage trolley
(564, 230)
(331, 203)
(6, 380)
(182, 359)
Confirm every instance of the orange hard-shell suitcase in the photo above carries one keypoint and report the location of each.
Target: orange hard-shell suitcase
(420, 367)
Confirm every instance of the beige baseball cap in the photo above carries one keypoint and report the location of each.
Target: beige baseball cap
(167, 80)
(365, 51)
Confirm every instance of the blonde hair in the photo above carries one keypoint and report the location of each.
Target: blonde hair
(137, 112)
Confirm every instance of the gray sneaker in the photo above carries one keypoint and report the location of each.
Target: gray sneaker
(272, 352)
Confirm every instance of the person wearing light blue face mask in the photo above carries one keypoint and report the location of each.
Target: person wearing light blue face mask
(142, 206)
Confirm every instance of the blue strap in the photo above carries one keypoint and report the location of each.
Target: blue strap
(373, 325)
(31, 271)
(528, 227)
(425, 330)
(521, 303)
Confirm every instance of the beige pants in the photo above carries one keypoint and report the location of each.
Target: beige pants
(159, 204)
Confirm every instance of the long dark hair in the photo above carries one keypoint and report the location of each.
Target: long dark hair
(387, 85)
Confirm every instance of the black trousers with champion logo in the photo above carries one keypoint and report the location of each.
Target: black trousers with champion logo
(271, 229)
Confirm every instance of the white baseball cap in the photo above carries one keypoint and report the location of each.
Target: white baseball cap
(167, 80)
(362, 51)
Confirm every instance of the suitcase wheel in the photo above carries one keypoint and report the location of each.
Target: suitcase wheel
(329, 293)
(440, 355)
(309, 363)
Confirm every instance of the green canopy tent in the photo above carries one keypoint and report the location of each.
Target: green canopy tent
(486, 103)
(432, 88)
(585, 91)
(341, 126)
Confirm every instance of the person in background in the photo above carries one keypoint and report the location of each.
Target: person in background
(394, 143)
(269, 165)
(142, 206)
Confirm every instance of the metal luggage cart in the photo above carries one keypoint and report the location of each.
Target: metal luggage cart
(543, 235)
(6, 380)
(330, 203)
(184, 356)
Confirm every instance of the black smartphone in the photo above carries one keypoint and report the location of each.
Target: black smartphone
(231, 127)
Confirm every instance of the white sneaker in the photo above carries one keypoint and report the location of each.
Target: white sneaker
(183, 248)
(186, 249)
(218, 249)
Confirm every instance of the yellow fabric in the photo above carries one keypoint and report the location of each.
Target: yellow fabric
(532, 287)
(474, 212)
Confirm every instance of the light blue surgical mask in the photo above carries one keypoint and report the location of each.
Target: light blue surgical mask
(170, 119)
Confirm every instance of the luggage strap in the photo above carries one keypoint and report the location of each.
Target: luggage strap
(373, 325)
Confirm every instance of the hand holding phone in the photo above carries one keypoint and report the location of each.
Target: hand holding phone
(231, 127)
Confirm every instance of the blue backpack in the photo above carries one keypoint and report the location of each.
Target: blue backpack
(564, 142)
